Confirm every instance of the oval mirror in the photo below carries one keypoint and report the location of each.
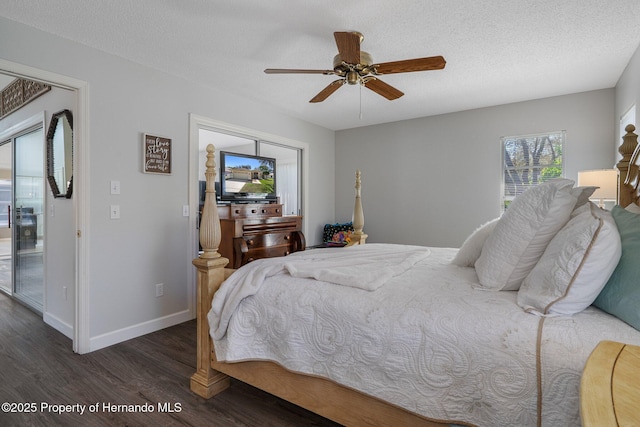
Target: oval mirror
(60, 154)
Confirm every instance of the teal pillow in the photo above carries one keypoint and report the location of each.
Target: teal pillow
(621, 295)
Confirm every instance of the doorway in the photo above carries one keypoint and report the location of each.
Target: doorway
(288, 163)
(21, 216)
(72, 316)
(202, 127)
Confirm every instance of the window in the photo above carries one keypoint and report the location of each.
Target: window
(529, 160)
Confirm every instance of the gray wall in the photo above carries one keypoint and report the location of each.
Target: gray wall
(150, 243)
(433, 180)
(628, 93)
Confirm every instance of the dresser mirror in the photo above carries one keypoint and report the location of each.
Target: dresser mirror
(60, 154)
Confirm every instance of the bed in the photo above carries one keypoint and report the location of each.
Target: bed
(389, 347)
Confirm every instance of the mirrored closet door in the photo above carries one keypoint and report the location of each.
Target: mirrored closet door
(21, 216)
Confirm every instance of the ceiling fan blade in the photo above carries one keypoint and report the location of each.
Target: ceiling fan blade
(348, 46)
(324, 93)
(382, 88)
(408, 65)
(294, 71)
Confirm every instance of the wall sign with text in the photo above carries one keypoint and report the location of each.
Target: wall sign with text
(156, 154)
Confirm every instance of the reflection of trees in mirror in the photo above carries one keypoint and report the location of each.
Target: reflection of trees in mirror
(530, 160)
(60, 154)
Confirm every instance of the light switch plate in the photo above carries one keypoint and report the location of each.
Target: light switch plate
(115, 187)
(185, 210)
(115, 211)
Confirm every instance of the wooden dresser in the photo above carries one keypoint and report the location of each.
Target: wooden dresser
(252, 231)
(610, 386)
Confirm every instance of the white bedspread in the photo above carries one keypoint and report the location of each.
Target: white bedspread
(423, 340)
(366, 267)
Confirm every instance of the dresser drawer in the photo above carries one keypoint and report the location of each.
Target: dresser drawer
(252, 211)
(272, 225)
(267, 240)
(265, 252)
(266, 245)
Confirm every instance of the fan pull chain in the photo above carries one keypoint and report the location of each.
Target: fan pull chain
(361, 84)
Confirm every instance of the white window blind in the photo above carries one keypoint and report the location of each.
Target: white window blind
(529, 160)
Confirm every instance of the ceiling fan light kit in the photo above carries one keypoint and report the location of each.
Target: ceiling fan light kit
(355, 66)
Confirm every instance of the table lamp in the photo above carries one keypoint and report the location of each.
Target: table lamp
(605, 179)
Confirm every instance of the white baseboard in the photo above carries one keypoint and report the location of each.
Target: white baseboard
(59, 325)
(115, 337)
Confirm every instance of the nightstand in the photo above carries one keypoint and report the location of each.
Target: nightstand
(610, 386)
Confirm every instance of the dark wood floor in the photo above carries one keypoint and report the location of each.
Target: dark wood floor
(37, 366)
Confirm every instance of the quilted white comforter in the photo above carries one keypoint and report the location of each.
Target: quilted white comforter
(424, 340)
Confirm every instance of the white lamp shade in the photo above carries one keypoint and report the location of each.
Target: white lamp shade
(606, 179)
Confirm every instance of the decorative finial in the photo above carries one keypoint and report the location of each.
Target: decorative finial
(210, 234)
(211, 163)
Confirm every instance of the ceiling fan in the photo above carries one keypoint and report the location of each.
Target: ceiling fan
(354, 66)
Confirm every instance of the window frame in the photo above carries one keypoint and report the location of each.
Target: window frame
(505, 198)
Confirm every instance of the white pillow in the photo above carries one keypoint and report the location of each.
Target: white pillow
(472, 247)
(522, 234)
(582, 194)
(575, 267)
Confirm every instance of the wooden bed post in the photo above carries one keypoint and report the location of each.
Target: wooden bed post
(358, 237)
(627, 149)
(207, 382)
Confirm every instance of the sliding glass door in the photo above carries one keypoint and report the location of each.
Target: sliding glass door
(21, 212)
(6, 202)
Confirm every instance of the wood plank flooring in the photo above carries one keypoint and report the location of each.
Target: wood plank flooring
(37, 366)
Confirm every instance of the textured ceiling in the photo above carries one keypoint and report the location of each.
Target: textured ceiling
(497, 51)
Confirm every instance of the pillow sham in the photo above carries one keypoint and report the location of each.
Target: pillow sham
(582, 194)
(621, 295)
(470, 250)
(575, 266)
(522, 234)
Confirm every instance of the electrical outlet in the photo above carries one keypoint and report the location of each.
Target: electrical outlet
(159, 289)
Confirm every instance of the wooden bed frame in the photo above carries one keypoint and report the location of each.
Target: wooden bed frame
(609, 390)
(324, 397)
(629, 179)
